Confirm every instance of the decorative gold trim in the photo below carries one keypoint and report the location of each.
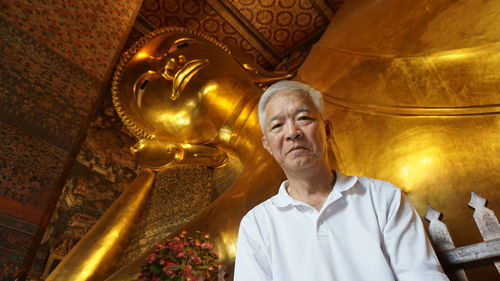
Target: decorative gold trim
(418, 111)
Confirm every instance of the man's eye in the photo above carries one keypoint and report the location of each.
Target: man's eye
(305, 118)
(275, 126)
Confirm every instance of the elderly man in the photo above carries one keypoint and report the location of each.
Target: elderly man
(323, 225)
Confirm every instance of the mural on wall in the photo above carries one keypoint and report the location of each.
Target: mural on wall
(55, 61)
(103, 168)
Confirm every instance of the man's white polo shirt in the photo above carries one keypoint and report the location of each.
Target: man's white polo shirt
(366, 230)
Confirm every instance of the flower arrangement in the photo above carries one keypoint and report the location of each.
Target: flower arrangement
(182, 258)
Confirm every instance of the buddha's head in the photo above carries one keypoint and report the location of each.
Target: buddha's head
(178, 85)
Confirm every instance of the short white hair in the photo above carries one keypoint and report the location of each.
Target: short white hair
(288, 86)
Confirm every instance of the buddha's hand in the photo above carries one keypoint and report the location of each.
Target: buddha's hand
(157, 155)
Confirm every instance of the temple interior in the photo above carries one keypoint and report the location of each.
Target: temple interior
(412, 89)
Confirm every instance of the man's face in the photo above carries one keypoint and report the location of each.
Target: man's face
(295, 133)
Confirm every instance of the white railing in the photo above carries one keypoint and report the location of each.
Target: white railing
(453, 257)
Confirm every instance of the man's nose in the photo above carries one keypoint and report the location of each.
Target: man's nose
(293, 132)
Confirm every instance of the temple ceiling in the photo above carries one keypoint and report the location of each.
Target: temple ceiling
(276, 33)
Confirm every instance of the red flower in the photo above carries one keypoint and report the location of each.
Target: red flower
(207, 245)
(196, 259)
(176, 245)
(181, 256)
(151, 258)
(188, 273)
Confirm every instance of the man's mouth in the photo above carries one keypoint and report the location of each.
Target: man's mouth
(298, 147)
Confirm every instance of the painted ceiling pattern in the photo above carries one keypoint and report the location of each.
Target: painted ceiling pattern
(283, 23)
(195, 15)
(269, 30)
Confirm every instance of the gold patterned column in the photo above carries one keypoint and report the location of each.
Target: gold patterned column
(179, 193)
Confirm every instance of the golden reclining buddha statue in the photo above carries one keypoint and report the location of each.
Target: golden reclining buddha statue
(188, 101)
(412, 90)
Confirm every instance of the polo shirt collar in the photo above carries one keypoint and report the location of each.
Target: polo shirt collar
(342, 183)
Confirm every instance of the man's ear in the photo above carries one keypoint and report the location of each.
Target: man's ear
(265, 144)
(328, 129)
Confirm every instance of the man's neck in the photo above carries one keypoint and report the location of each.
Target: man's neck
(312, 189)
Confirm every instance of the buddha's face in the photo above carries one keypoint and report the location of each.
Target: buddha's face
(181, 87)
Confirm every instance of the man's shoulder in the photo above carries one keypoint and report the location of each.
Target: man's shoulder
(379, 188)
(264, 212)
(261, 208)
(378, 184)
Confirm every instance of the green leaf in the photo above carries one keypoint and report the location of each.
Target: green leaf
(175, 267)
(155, 269)
(178, 277)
